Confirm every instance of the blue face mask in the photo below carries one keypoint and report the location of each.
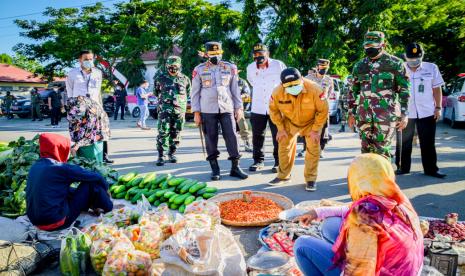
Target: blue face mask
(87, 64)
(294, 90)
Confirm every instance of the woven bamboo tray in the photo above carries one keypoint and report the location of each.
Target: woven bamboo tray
(282, 201)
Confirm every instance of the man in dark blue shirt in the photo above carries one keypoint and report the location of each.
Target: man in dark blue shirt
(51, 203)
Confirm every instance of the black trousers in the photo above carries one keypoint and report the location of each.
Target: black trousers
(105, 150)
(426, 129)
(119, 106)
(210, 127)
(55, 114)
(259, 122)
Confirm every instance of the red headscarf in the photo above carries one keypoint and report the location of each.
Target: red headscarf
(54, 146)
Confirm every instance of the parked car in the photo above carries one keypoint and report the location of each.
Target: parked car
(333, 99)
(454, 109)
(2, 103)
(153, 106)
(21, 108)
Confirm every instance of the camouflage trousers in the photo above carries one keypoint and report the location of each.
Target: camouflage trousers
(377, 137)
(170, 125)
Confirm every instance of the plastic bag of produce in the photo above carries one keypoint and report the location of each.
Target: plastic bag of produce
(204, 207)
(74, 252)
(198, 221)
(101, 231)
(122, 217)
(164, 217)
(125, 260)
(101, 248)
(146, 237)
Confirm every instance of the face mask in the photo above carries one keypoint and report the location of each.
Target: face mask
(414, 62)
(294, 90)
(260, 60)
(173, 70)
(215, 60)
(88, 64)
(322, 71)
(372, 52)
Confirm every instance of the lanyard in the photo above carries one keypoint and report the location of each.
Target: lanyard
(88, 81)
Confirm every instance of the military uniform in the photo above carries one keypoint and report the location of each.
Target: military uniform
(298, 115)
(216, 96)
(172, 93)
(35, 106)
(8, 101)
(378, 85)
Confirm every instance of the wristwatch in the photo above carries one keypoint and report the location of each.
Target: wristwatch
(438, 107)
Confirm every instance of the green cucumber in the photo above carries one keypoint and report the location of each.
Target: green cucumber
(162, 177)
(157, 203)
(165, 185)
(186, 188)
(197, 187)
(182, 208)
(161, 192)
(134, 182)
(174, 206)
(133, 190)
(147, 179)
(199, 198)
(137, 197)
(207, 190)
(168, 194)
(173, 197)
(119, 189)
(176, 181)
(127, 196)
(113, 187)
(208, 195)
(180, 199)
(120, 195)
(189, 200)
(127, 177)
(152, 198)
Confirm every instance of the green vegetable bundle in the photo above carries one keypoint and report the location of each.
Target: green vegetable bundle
(176, 192)
(15, 163)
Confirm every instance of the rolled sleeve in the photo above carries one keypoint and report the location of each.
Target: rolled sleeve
(438, 81)
(195, 92)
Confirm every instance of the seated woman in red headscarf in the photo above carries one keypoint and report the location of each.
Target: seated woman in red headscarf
(51, 203)
(378, 234)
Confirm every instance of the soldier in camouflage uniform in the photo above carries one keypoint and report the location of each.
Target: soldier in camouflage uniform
(172, 88)
(343, 105)
(380, 81)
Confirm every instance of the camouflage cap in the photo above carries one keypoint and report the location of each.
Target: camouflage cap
(374, 39)
(173, 61)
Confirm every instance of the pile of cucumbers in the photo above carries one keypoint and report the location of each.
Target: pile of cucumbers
(176, 192)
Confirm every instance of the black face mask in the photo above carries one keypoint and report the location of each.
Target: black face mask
(373, 52)
(215, 60)
(173, 69)
(322, 71)
(260, 60)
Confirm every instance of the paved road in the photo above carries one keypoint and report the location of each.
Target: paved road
(134, 149)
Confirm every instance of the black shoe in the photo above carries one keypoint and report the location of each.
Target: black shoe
(108, 161)
(40, 120)
(437, 174)
(122, 119)
(301, 153)
(275, 167)
(236, 171)
(256, 166)
(279, 181)
(311, 186)
(401, 172)
(33, 120)
(160, 161)
(343, 128)
(172, 158)
(215, 170)
(116, 119)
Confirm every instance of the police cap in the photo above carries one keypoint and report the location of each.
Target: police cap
(290, 77)
(213, 48)
(323, 62)
(260, 47)
(414, 50)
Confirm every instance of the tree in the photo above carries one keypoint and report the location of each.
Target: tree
(249, 31)
(30, 65)
(5, 58)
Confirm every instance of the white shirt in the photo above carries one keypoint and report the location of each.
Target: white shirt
(422, 104)
(80, 83)
(263, 82)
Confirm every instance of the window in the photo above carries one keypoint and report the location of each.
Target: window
(458, 87)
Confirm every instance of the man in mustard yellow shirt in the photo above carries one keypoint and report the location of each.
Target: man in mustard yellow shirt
(298, 107)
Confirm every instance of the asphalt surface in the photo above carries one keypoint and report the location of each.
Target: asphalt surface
(134, 150)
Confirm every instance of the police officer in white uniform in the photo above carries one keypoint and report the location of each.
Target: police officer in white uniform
(264, 74)
(216, 99)
(424, 110)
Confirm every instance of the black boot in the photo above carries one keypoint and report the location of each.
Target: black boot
(343, 128)
(236, 171)
(172, 158)
(215, 169)
(160, 161)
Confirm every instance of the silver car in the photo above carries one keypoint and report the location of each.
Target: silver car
(333, 98)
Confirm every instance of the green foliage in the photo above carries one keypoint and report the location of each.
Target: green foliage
(5, 58)
(249, 32)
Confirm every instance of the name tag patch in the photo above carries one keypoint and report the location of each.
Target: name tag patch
(285, 102)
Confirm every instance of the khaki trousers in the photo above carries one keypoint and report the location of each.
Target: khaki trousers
(287, 152)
